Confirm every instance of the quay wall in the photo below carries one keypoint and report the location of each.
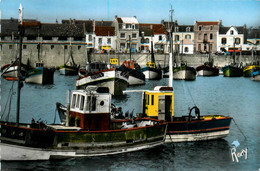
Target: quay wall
(55, 55)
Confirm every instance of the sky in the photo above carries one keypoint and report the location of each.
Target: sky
(186, 12)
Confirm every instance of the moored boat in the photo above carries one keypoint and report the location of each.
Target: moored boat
(136, 77)
(247, 71)
(69, 67)
(40, 75)
(184, 72)
(232, 71)
(97, 73)
(151, 71)
(87, 131)
(207, 70)
(10, 71)
(255, 76)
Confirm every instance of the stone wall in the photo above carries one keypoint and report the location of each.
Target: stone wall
(54, 55)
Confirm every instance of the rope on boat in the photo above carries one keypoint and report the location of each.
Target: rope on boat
(189, 93)
(239, 128)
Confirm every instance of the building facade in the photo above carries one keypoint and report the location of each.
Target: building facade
(206, 36)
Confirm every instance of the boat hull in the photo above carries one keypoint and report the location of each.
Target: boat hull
(205, 70)
(152, 73)
(40, 75)
(198, 130)
(184, 75)
(115, 80)
(247, 71)
(12, 73)
(68, 70)
(232, 71)
(255, 76)
(58, 142)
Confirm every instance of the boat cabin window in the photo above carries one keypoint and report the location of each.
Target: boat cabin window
(152, 100)
(73, 101)
(91, 103)
(82, 100)
(148, 98)
(77, 104)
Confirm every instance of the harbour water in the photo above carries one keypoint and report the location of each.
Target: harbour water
(236, 97)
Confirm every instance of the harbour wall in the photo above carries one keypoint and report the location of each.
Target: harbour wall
(53, 56)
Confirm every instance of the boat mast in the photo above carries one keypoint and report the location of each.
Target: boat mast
(171, 52)
(21, 30)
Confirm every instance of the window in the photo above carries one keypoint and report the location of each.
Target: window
(142, 40)
(211, 36)
(160, 37)
(128, 26)
(100, 41)
(82, 100)
(31, 37)
(10, 46)
(177, 37)
(186, 49)
(63, 38)
(176, 29)
(122, 35)
(134, 35)
(108, 40)
(79, 47)
(237, 40)
(77, 103)
(73, 101)
(133, 26)
(205, 47)
(122, 46)
(199, 48)
(188, 36)
(231, 32)
(199, 36)
(223, 41)
(47, 38)
(90, 38)
(152, 101)
(188, 29)
(65, 47)
(146, 40)
(52, 46)
(200, 27)
(210, 47)
(148, 99)
(24, 46)
(211, 27)
(205, 36)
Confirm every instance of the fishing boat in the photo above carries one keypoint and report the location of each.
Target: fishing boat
(247, 71)
(10, 71)
(159, 104)
(69, 67)
(233, 70)
(184, 72)
(98, 73)
(255, 76)
(87, 129)
(151, 71)
(136, 77)
(207, 70)
(40, 75)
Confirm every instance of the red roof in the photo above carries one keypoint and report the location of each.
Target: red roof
(104, 31)
(157, 28)
(207, 22)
